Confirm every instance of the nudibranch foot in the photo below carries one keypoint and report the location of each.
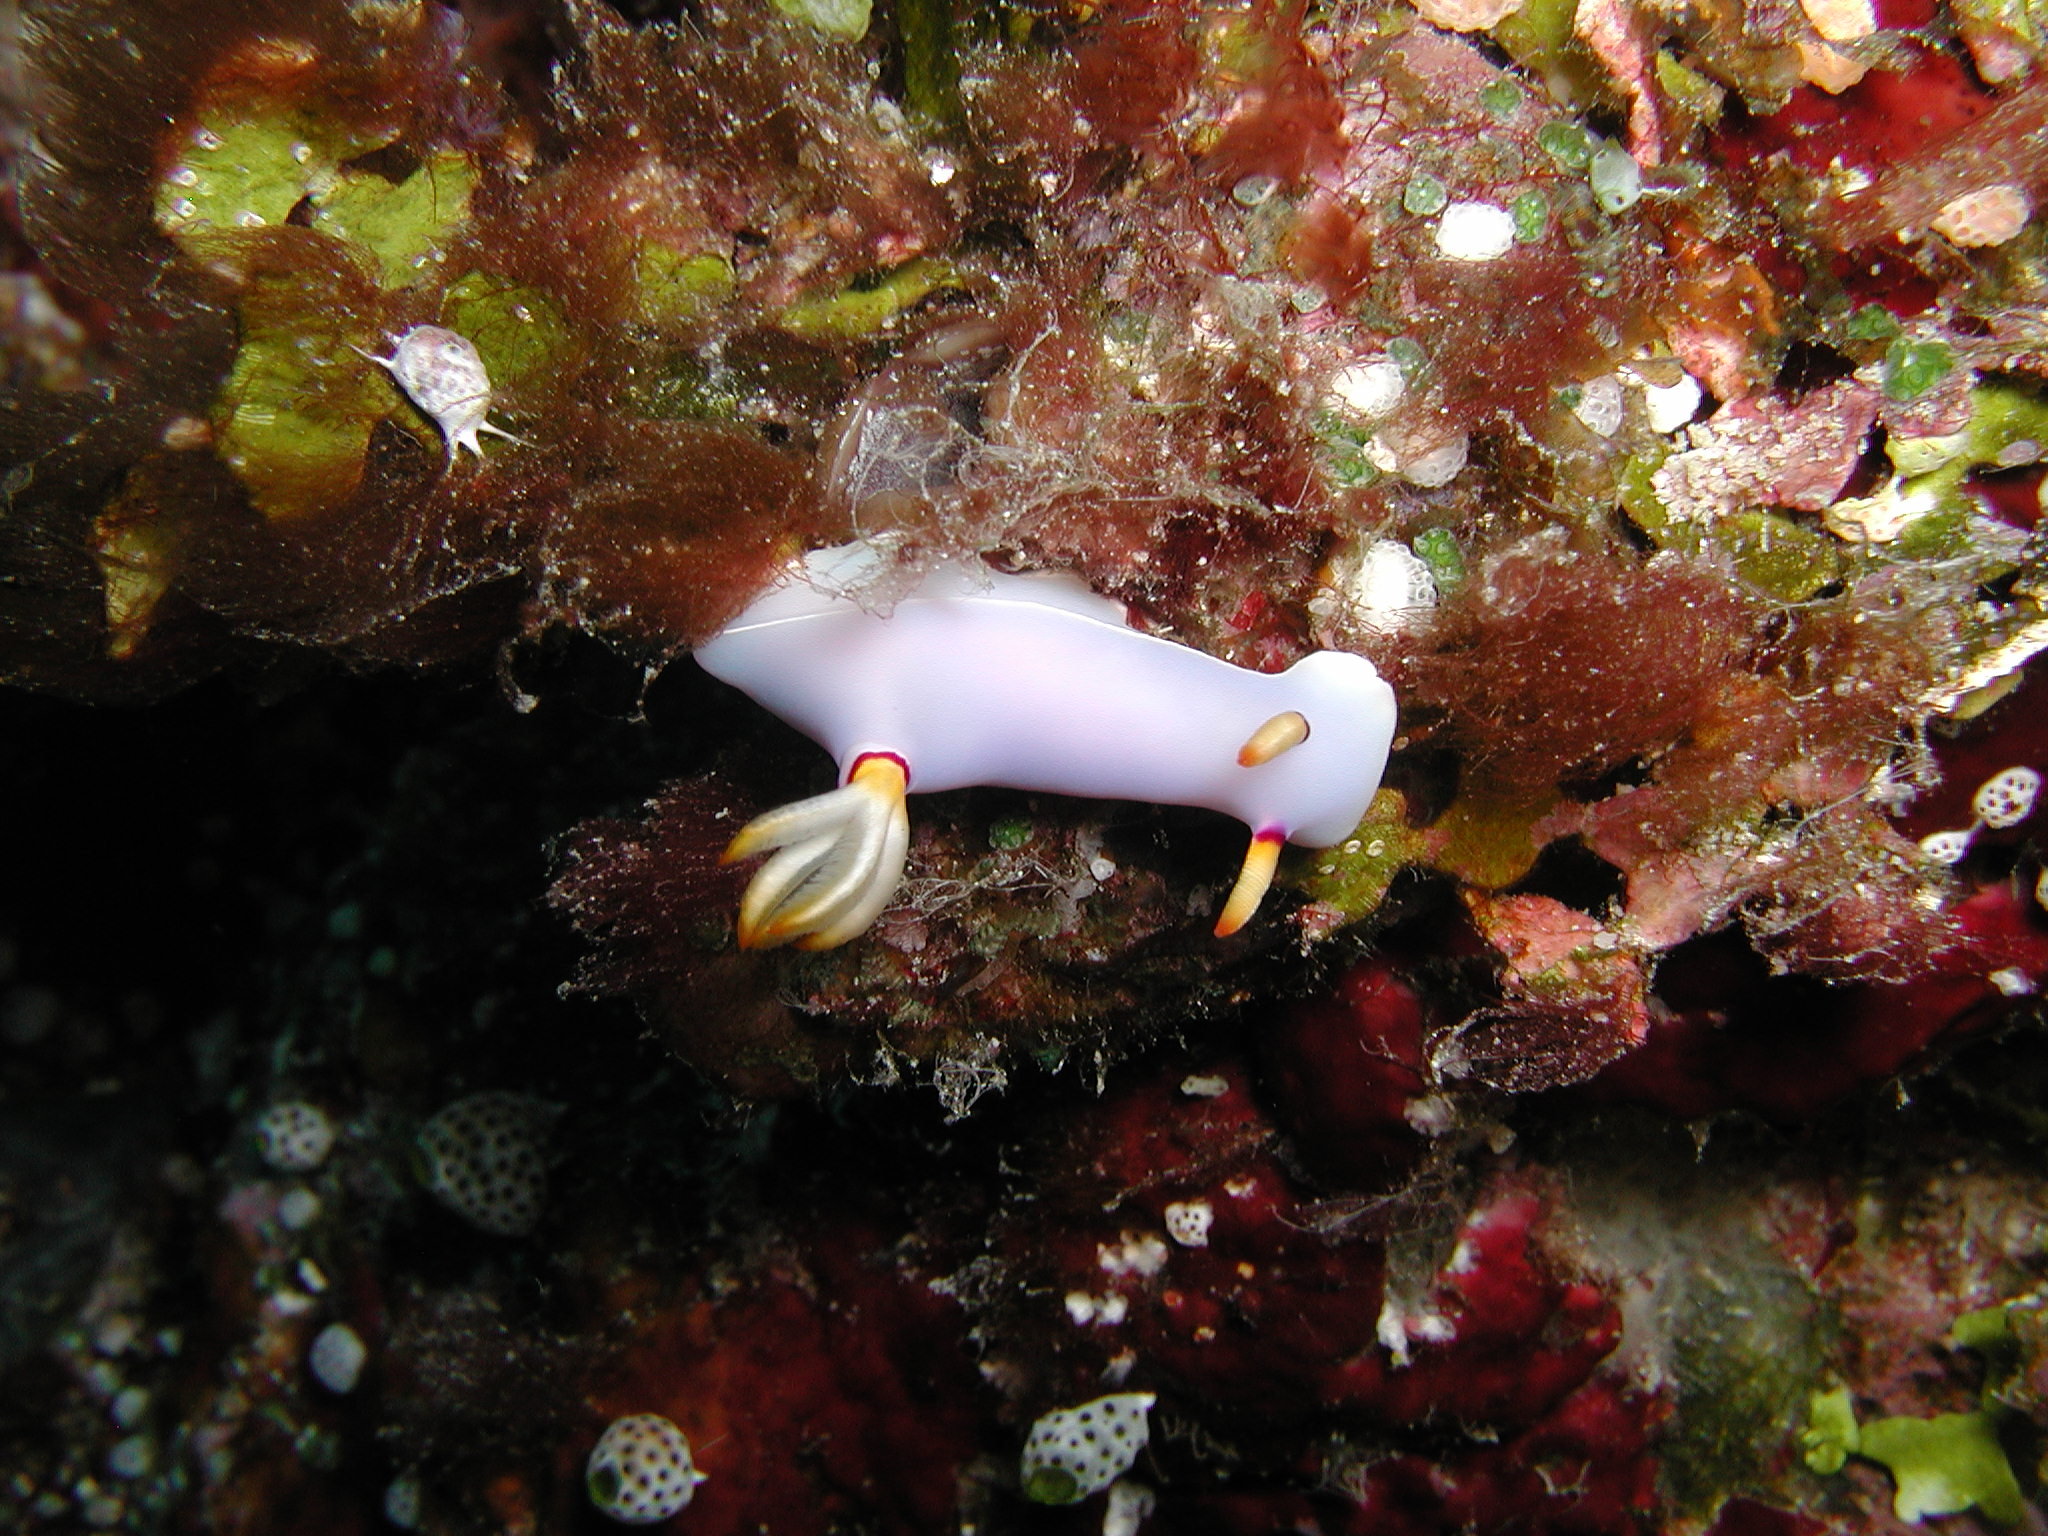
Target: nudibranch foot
(838, 858)
(1253, 881)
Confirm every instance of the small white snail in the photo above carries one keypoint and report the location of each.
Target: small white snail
(441, 373)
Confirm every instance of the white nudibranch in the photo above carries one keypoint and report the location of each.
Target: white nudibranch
(1026, 682)
(442, 373)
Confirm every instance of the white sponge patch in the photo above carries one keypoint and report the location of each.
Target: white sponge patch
(1073, 1452)
(640, 1471)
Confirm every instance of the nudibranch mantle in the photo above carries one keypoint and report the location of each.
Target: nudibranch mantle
(1025, 682)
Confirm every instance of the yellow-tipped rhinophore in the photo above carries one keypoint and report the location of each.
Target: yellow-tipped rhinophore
(1280, 734)
(1253, 881)
(838, 859)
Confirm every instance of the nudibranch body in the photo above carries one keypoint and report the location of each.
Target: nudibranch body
(1025, 682)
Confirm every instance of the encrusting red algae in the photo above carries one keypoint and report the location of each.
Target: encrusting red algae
(1627, 1126)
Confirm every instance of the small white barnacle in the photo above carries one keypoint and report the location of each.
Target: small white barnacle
(441, 373)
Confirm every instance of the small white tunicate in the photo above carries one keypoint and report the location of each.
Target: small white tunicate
(117, 1335)
(1475, 232)
(641, 1471)
(1254, 190)
(29, 1015)
(485, 1157)
(298, 1208)
(1129, 1504)
(129, 1407)
(132, 1457)
(1671, 406)
(1073, 1452)
(1369, 390)
(1188, 1222)
(286, 1302)
(1433, 1114)
(2007, 798)
(1946, 847)
(1599, 407)
(1138, 1253)
(1086, 1311)
(402, 1502)
(182, 176)
(2012, 982)
(1439, 466)
(295, 1136)
(1393, 587)
(1616, 179)
(1204, 1085)
(337, 1358)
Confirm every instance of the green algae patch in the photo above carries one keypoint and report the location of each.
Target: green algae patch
(1488, 841)
(846, 20)
(1437, 548)
(1778, 557)
(247, 165)
(1912, 368)
(1785, 560)
(1344, 444)
(1693, 93)
(685, 387)
(1353, 877)
(1832, 1434)
(293, 420)
(137, 542)
(673, 290)
(1635, 485)
(1988, 1330)
(1945, 1465)
(1541, 37)
(1871, 322)
(405, 226)
(863, 308)
(1531, 215)
(518, 331)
